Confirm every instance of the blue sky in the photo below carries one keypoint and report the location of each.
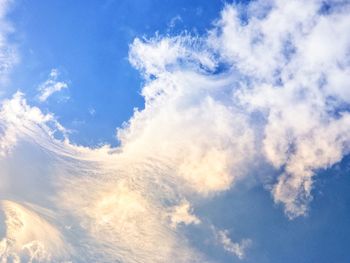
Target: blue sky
(174, 131)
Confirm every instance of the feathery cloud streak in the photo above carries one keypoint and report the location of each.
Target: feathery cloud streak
(51, 86)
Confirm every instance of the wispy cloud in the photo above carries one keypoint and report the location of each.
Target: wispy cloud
(101, 207)
(174, 21)
(237, 249)
(29, 235)
(51, 85)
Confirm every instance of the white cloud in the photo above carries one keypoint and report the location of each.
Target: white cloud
(51, 85)
(305, 109)
(92, 111)
(235, 248)
(104, 204)
(29, 236)
(271, 88)
(283, 65)
(175, 20)
(182, 214)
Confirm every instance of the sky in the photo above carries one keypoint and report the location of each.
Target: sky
(179, 131)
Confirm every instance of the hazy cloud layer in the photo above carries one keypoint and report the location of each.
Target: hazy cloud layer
(266, 87)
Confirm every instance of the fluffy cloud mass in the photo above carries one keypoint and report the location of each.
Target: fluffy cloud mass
(267, 84)
(272, 83)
